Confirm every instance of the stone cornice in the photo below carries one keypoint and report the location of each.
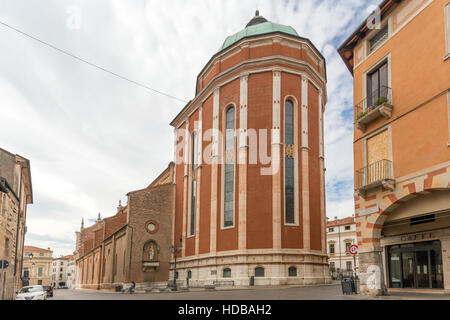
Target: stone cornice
(319, 82)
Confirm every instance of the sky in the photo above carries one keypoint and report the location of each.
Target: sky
(92, 137)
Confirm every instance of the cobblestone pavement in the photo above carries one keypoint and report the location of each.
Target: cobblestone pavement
(329, 292)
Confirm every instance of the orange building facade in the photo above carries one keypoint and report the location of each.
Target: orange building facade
(401, 73)
(249, 174)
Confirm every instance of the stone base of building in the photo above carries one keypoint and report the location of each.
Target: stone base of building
(281, 267)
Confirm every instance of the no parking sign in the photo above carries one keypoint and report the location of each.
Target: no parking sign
(353, 249)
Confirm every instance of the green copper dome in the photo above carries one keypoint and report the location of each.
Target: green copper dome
(258, 26)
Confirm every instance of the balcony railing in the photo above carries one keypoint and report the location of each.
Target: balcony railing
(377, 104)
(374, 175)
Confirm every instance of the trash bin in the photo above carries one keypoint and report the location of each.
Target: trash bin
(252, 281)
(347, 286)
(118, 288)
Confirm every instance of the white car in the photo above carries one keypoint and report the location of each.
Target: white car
(32, 293)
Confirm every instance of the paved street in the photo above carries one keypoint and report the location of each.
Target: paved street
(330, 292)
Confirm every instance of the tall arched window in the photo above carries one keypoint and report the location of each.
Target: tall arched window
(193, 186)
(289, 162)
(228, 219)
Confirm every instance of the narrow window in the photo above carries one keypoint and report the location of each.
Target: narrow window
(289, 163)
(377, 85)
(379, 38)
(259, 272)
(189, 274)
(331, 248)
(292, 272)
(227, 273)
(40, 271)
(229, 170)
(193, 200)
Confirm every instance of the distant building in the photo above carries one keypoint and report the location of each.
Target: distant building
(15, 194)
(71, 272)
(133, 245)
(60, 271)
(341, 235)
(401, 71)
(36, 266)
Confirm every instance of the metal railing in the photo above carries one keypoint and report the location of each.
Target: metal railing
(373, 101)
(377, 171)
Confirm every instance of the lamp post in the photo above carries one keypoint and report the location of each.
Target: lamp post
(32, 267)
(175, 249)
(340, 252)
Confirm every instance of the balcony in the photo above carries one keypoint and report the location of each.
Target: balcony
(375, 175)
(377, 104)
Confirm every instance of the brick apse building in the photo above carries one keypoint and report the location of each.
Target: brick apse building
(401, 74)
(132, 245)
(249, 175)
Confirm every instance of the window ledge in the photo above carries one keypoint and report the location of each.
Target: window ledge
(447, 56)
(448, 144)
(227, 228)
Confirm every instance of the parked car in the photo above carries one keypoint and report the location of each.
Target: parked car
(32, 293)
(49, 290)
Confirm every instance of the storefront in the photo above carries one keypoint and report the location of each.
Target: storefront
(417, 261)
(416, 265)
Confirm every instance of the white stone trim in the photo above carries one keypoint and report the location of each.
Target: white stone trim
(199, 179)
(214, 169)
(207, 91)
(260, 41)
(185, 185)
(305, 167)
(242, 153)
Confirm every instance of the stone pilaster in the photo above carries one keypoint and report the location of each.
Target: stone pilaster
(214, 171)
(305, 166)
(198, 172)
(276, 154)
(242, 164)
(322, 175)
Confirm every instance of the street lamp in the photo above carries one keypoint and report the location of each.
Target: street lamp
(340, 252)
(175, 250)
(32, 267)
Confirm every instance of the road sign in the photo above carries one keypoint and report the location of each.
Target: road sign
(4, 264)
(353, 249)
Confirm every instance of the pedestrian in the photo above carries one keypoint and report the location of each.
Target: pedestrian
(133, 285)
